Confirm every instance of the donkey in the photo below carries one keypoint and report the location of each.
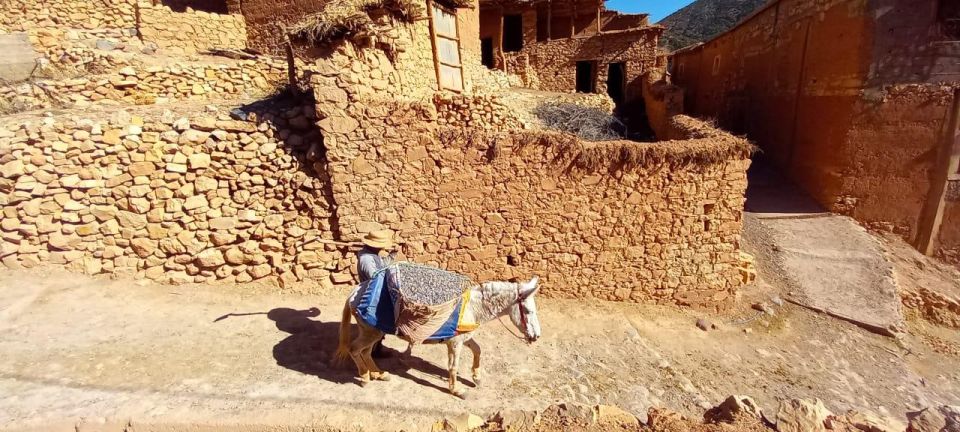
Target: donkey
(488, 301)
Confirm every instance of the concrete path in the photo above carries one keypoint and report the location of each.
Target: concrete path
(828, 262)
(79, 353)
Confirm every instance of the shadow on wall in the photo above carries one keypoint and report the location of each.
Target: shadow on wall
(212, 6)
(296, 114)
(771, 194)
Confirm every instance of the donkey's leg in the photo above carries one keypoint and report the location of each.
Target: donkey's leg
(453, 353)
(375, 372)
(475, 347)
(364, 341)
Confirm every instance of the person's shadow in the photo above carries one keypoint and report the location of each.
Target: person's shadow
(311, 344)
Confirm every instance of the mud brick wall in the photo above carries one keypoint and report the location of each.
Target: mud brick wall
(79, 14)
(847, 97)
(495, 202)
(555, 62)
(190, 32)
(178, 199)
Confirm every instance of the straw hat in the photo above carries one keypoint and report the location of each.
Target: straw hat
(382, 239)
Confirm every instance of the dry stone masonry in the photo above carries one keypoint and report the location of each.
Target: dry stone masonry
(175, 199)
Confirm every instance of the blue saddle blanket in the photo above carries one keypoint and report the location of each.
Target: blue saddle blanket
(373, 303)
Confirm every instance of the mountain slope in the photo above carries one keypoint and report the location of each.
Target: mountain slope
(704, 19)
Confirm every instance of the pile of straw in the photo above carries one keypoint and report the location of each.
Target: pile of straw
(589, 123)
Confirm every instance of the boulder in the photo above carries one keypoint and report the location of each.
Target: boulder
(614, 416)
(463, 423)
(516, 420)
(945, 418)
(732, 408)
(802, 415)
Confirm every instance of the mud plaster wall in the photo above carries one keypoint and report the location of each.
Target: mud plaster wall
(497, 203)
(190, 32)
(662, 102)
(845, 95)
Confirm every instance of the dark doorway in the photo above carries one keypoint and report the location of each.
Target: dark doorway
(512, 33)
(616, 81)
(543, 22)
(586, 77)
(486, 52)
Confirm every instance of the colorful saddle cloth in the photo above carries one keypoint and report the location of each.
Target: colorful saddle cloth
(373, 303)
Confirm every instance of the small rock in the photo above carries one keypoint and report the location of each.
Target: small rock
(463, 423)
(732, 408)
(703, 324)
(106, 45)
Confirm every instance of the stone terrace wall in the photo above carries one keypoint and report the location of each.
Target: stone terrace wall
(266, 20)
(189, 32)
(81, 14)
(154, 84)
(169, 198)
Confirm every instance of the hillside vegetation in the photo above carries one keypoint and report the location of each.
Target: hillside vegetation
(704, 19)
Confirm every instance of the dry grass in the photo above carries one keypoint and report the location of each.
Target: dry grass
(353, 19)
(705, 145)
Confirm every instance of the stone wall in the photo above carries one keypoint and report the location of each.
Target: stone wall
(139, 85)
(190, 32)
(176, 199)
(267, 19)
(17, 16)
(847, 97)
(495, 202)
(555, 62)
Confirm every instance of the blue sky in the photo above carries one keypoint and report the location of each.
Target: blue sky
(658, 9)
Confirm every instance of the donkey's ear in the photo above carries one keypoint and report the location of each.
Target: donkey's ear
(530, 288)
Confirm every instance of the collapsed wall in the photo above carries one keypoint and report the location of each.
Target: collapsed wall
(643, 222)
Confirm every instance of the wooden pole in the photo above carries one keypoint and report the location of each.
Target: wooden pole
(947, 163)
(599, 17)
(573, 18)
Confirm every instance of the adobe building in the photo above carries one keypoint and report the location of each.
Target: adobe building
(854, 99)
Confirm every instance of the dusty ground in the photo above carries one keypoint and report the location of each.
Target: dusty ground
(76, 347)
(112, 352)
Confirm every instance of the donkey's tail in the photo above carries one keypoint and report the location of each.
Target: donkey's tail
(342, 354)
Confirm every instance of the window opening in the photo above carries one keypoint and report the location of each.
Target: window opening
(512, 33)
(586, 77)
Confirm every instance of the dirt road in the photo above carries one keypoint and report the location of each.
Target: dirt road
(115, 351)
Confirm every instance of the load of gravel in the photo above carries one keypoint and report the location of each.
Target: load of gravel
(424, 298)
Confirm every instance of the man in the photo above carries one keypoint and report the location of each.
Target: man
(370, 261)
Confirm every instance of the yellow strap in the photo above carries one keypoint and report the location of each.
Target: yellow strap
(463, 327)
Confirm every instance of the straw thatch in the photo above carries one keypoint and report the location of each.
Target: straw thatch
(354, 19)
(701, 144)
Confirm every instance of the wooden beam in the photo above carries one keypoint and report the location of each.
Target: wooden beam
(573, 18)
(599, 27)
(947, 163)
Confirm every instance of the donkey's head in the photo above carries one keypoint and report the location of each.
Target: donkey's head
(524, 312)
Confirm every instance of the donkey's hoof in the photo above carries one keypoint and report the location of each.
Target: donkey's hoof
(477, 381)
(364, 383)
(462, 394)
(382, 376)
